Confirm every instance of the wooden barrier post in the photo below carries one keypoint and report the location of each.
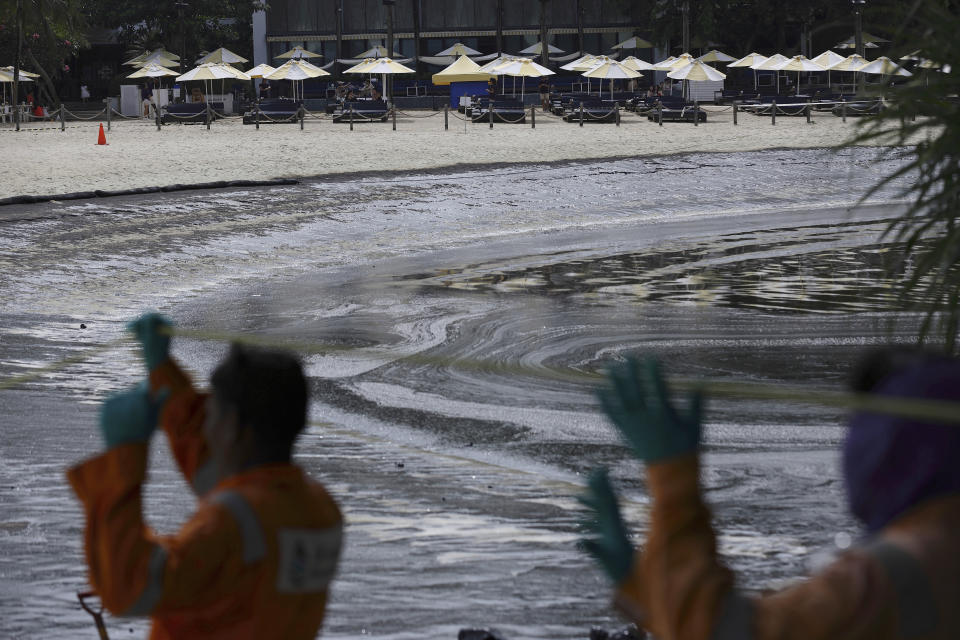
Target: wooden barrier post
(351, 117)
(696, 113)
(300, 113)
(109, 112)
(581, 113)
(63, 126)
(843, 109)
(734, 114)
(490, 112)
(256, 116)
(533, 116)
(808, 114)
(208, 115)
(660, 112)
(616, 116)
(773, 113)
(446, 117)
(393, 112)
(156, 113)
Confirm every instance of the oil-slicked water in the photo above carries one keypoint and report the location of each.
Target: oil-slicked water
(446, 304)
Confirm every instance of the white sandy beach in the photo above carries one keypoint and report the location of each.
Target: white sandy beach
(47, 161)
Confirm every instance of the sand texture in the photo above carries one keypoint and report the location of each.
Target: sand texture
(49, 161)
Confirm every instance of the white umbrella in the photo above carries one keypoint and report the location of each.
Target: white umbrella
(535, 49)
(869, 41)
(212, 71)
(7, 76)
(850, 63)
(884, 66)
(672, 62)
(521, 68)
(298, 52)
(222, 55)
(716, 56)
(459, 49)
(611, 70)
(826, 60)
(382, 66)
(635, 42)
(799, 64)
(769, 65)
(696, 71)
(378, 52)
(260, 71)
(636, 64)
(748, 61)
(152, 71)
(296, 70)
(580, 64)
(143, 57)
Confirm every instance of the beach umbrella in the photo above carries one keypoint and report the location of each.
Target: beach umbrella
(296, 70)
(147, 55)
(611, 70)
(769, 65)
(716, 56)
(6, 75)
(696, 71)
(382, 66)
(497, 62)
(580, 64)
(459, 49)
(799, 64)
(25, 76)
(463, 70)
(378, 52)
(884, 66)
(298, 53)
(222, 55)
(636, 64)
(635, 42)
(157, 59)
(748, 61)
(869, 41)
(152, 70)
(850, 63)
(260, 71)
(212, 71)
(521, 68)
(826, 60)
(672, 63)
(535, 49)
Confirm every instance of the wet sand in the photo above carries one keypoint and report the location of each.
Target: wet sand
(49, 161)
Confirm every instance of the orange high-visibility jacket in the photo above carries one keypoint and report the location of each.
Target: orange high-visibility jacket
(904, 583)
(254, 561)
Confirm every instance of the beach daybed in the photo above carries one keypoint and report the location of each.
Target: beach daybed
(191, 112)
(274, 111)
(685, 113)
(362, 111)
(858, 108)
(594, 110)
(506, 111)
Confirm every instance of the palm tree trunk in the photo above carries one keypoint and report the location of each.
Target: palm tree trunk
(544, 47)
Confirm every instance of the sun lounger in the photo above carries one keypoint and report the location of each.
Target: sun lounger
(505, 111)
(594, 110)
(275, 111)
(191, 112)
(685, 113)
(362, 111)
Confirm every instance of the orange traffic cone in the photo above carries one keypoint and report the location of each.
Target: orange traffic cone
(101, 139)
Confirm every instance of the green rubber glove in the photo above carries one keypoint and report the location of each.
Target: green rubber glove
(155, 345)
(607, 539)
(131, 416)
(639, 406)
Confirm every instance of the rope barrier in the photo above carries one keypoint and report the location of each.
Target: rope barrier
(410, 115)
(93, 117)
(913, 408)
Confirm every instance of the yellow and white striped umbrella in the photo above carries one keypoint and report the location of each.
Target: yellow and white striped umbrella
(770, 63)
(583, 63)
(672, 63)
(222, 55)
(798, 63)
(884, 66)
(151, 56)
(260, 71)
(850, 63)
(213, 71)
(696, 72)
(296, 69)
(379, 66)
(716, 56)
(522, 68)
(636, 64)
(152, 71)
(459, 49)
(25, 76)
(828, 58)
(298, 53)
(611, 70)
(748, 60)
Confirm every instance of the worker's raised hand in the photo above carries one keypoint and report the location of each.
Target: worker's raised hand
(150, 331)
(131, 416)
(606, 538)
(637, 401)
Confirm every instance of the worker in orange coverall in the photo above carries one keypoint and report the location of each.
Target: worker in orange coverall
(256, 558)
(903, 482)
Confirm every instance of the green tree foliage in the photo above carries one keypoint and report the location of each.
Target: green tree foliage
(53, 30)
(182, 26)
(924, 116)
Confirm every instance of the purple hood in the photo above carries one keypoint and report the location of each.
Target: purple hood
(891, 464)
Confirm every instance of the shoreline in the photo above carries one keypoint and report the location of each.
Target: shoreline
(139, 157)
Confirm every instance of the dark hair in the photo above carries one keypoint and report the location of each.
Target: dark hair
(268, 391)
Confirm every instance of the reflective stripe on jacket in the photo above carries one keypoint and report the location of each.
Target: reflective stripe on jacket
(254, 561)
(905, 583)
